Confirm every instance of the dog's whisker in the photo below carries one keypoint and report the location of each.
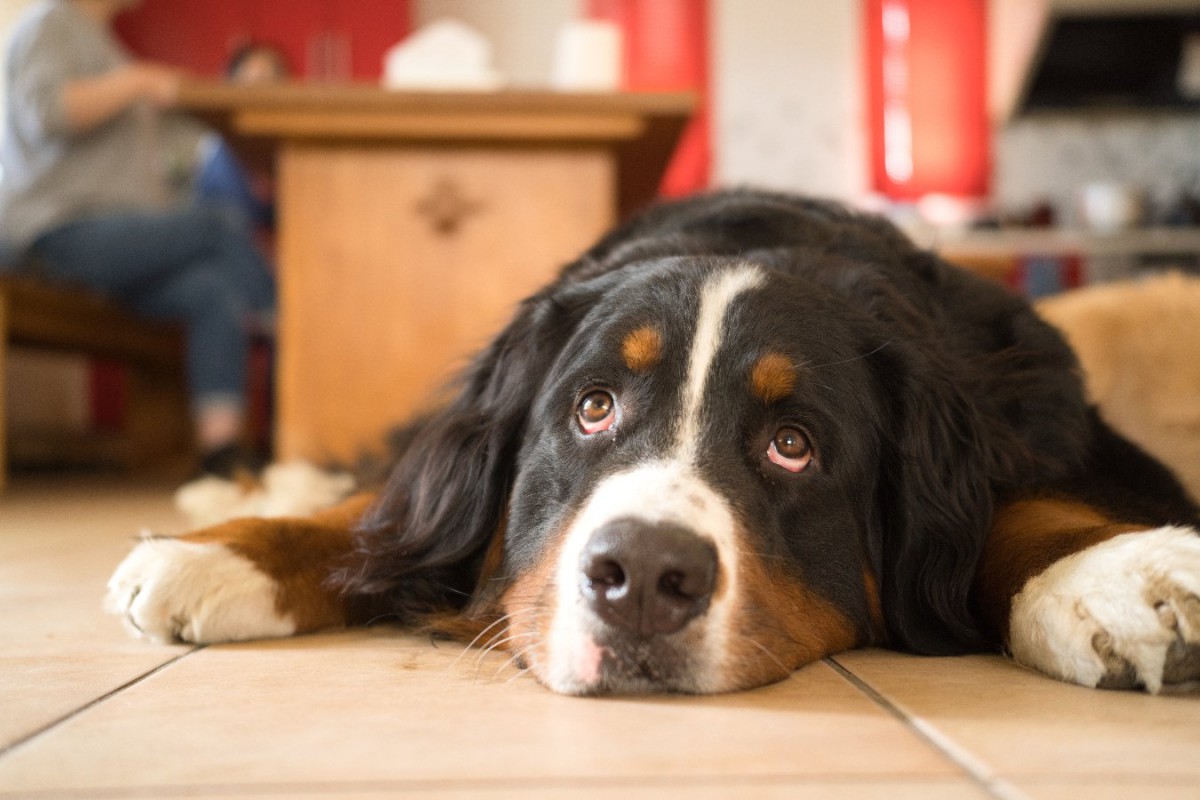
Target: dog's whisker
(515, 637)
(516, 653)
(852, 358)
(504, 619)
(768, 653)
(516, 656)
(517, 674)
(500, 644)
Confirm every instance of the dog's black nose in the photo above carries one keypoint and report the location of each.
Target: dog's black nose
(647, 579)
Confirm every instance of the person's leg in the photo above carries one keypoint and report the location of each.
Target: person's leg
(119, 254)
(190, 265)
(222, 179)
(218, 345)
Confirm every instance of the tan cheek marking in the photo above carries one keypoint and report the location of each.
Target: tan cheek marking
(530, 603)
(780, 625)
(874, 605)
(493, 561)
(642, 348)
(482, 614)
(773, 377)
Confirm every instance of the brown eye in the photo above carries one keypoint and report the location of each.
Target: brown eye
(597, 412)
(790, 449)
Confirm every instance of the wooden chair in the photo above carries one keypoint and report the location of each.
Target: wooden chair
(40, 315)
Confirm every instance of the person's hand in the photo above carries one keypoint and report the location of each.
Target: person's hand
(91, 101)
(157, 84)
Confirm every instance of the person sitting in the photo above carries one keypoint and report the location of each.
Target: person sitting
(88, 190)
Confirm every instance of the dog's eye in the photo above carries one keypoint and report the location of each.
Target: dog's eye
(597, 412)
(790, 449)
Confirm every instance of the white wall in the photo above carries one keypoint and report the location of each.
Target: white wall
(787, 82)
(521, 31)
(788, 95)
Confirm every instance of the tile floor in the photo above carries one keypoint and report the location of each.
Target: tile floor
(86, 712)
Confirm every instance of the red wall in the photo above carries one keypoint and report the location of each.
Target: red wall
(666, 49)
(200, 35)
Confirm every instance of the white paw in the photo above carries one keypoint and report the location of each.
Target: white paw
(169, 590)
(292, 489)
(1122, 614)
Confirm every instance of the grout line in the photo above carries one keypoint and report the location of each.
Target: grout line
(975, 769)
(459, 786)
(49, 726)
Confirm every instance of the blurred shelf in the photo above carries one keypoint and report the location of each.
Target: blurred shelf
(1056, 241)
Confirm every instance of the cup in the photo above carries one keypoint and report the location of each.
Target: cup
(1109, 207)
(587, 57)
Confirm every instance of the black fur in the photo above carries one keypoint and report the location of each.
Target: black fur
(942, 394)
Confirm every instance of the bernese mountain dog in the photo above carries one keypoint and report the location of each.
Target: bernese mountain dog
(743, 432)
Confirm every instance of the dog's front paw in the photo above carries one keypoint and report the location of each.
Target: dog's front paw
(171, 590)
(1122, 614)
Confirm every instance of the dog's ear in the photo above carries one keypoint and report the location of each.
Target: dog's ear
(936, 508)
(421, 547)
(935, 495)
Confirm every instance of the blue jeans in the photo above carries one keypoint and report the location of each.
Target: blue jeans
(221, 178)
(194, 264)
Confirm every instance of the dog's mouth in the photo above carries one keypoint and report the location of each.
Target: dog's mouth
(638, 667)
(616, 664)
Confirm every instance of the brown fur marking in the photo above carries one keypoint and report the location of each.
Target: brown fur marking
(530, 605)
(1027, 536)
(874, 606)
(642, 348)
(298, 554)
(772, 377)
(780, 625)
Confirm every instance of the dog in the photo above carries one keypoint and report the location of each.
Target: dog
(743, 432)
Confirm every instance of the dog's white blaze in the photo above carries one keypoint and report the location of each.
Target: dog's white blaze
(715, 298)
(668, 491)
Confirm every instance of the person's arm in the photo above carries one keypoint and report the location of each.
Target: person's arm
(90, 102)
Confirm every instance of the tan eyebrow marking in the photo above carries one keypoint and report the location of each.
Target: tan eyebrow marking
(642, 348)
(773, 377)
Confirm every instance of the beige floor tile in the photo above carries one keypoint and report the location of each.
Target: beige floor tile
(377, 713)
(1111, 790)
(719, 789)
(56, 549)
(1025, 727)
(379, 706)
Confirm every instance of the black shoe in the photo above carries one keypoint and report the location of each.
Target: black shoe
(231, 461)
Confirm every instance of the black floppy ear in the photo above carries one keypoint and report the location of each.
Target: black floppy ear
(936, 505)
(421, 547)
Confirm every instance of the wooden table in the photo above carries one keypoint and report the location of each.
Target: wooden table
(410, 224)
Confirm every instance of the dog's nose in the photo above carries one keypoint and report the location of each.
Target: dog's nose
(647, 579)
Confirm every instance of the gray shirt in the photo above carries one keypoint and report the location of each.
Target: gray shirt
(52, 175)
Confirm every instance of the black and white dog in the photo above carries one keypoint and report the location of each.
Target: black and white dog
(742, 432)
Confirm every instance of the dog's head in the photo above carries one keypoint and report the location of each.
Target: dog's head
(692, 474)
(688, 510)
